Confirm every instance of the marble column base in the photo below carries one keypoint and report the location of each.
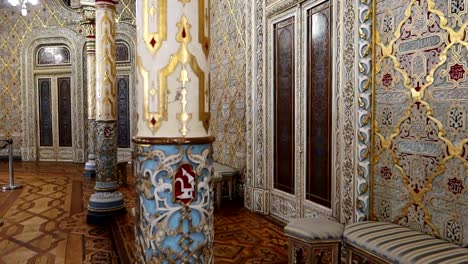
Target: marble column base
(104, 205)
(106, 202)
(90, 168)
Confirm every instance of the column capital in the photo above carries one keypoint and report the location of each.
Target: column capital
(106, 2)
(88, 21)
(87, 3)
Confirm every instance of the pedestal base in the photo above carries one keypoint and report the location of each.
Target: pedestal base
(90, 169)
(105, 205)
(89, 174)
(11, 187)
(103, 218)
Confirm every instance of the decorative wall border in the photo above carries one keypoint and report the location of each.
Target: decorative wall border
(348, 102)
(365, 21)
(256, 193)
(76, 44)
(336, 122)
(250, 21)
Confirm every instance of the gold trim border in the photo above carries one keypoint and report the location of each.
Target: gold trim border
(147, 115)
(173, 141)
(161, 35)
(203, 37)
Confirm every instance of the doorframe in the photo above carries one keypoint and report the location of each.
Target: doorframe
(54, 77)
(279, 204)
(75, 42)
(127, 34)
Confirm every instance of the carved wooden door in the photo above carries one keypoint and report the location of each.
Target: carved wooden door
(123, 106)
(284, 88)
(54, 112)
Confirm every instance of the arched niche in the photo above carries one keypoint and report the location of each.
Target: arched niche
(50, 37)
(126, 36)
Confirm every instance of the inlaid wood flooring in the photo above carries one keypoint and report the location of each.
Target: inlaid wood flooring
(45, 222)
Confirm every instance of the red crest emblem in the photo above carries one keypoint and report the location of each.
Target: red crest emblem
(387, 80)
(456, 72)
(386, 173)
(185, 184)
(107, 132)
(455, 186)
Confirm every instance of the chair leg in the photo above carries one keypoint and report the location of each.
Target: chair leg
(230, 187)
(218, 193)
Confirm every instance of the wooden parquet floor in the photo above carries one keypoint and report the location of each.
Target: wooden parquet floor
(45, 222)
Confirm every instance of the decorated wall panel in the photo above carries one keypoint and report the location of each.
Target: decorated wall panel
(125, 12)
(228, 81)
(420, 139)
(13, 32)
(16, 33)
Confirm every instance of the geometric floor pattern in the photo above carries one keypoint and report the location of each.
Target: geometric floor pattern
(245, 237)
(240, 237)
(45, 222)
(31, 232)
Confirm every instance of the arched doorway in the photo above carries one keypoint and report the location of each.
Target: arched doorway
(54, 95)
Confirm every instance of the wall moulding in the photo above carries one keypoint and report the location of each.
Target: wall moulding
(274, 7)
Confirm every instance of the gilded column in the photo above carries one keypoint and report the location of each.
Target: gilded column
(173, 156)
(106, 201)
(89, 29)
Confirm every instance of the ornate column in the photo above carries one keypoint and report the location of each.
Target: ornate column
(173, 161)
(106, 201)
(89, 28)
(75, 3)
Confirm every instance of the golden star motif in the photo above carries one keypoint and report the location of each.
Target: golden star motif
(184, 1)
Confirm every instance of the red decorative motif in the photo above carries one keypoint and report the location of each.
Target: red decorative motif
(387, 80)
(184, 184)
(184, 34)
(107, 132)
(418, 87)
(456, 72)
(455, 186)
(386, 173)
(153, 121)
(153, 42)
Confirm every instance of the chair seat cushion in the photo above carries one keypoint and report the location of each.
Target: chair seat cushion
(399, 244)
(314, 229)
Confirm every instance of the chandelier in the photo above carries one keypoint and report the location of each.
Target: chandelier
(24, 10)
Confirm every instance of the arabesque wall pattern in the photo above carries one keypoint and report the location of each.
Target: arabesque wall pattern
(14, 31)
(420, 134)
(227, 81)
